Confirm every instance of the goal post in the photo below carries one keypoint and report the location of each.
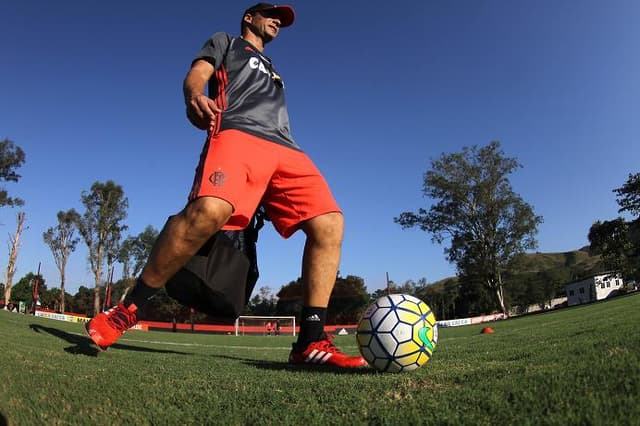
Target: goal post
(265, 325)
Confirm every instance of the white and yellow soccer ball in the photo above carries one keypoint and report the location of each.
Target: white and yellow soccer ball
(397, 333)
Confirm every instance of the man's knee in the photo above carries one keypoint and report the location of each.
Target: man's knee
(207, 214)
(327, 228)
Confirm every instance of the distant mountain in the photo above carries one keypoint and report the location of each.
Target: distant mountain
(561, 268)
(579, 262)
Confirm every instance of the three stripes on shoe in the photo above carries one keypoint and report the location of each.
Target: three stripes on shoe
(318, 357)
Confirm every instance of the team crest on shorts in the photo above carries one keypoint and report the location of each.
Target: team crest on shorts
(217, 178)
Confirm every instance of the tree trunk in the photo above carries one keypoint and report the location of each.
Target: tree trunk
(96, 267)
(500, 294)
(13, 257)
(96, 290)
(96, 300)
(62, 298)
(125, 270)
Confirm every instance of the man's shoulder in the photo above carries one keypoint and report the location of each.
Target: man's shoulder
(222, 34)
(221, 37)
(215, 47)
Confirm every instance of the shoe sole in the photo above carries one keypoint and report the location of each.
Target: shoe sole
(311, 365)
(100, 348)
(325, 368)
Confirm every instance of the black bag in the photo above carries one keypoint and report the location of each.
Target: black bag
(220, 278)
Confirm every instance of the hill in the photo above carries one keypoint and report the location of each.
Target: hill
(573, 265)
(578, 262)
(531, 279)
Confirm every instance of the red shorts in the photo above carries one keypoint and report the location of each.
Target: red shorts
(246, 171)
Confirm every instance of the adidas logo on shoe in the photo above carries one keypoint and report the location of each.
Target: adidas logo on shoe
(324, 352)
(318, 357)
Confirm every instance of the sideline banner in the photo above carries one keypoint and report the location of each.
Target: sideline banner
(454, 323)
(468, 321)
(487, 318)
(62, 317)
(78, 319)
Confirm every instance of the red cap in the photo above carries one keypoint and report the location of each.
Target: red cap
(286, 13)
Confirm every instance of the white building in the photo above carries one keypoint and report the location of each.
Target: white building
(594, 288)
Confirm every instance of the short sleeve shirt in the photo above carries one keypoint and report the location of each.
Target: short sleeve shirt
(248, 89)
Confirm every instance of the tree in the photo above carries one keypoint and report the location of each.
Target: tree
(101, 225)
(83, 301)
(348, 300)
(290, 298)
(14, 248)
(135, 251)
(11, 158)
(124, 256)
(441, 297)
(62, 241)
(628, 195)
(111, 251)
(120, 287)
(54, 299)
(23, 290)
(618, 240)
(410, 287)
(263, 303)
(163, 308)
(486, 222)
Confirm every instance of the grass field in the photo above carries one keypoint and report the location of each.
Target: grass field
(577, 366)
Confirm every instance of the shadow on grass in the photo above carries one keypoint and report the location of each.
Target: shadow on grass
(84, 346)
(306, 368)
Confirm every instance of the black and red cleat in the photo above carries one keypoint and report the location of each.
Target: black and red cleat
(324, 352)
(107, 327)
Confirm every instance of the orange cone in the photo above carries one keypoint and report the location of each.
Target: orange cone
(487, 330)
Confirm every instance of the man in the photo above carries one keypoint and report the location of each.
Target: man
(249, 158)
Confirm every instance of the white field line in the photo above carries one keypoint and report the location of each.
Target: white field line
(155, 342)
(201, 345)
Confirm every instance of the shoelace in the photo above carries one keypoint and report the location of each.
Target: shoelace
(122, 319)
(327, 345)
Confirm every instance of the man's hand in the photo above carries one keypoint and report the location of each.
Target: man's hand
(202, 111)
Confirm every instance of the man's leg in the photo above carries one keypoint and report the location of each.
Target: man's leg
(179, 240)
(182, 237)
(321, 257)
(320, 263)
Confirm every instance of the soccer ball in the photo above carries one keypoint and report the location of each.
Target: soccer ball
(397, 333)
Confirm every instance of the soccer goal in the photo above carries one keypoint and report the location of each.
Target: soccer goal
(265, 326)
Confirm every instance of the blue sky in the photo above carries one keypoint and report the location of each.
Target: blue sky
(92, 91)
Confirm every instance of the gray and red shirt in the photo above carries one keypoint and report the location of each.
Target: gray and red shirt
(248, 89)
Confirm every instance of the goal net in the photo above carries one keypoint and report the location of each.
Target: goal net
(265, 326)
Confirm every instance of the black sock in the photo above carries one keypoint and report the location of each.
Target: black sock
(140, 294)
(312, 323)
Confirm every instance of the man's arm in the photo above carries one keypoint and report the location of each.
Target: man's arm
(201, 110)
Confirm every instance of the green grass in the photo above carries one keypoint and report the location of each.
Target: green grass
(576, 366)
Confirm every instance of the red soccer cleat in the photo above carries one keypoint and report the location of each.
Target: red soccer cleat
(107, 327)
(324, 352)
